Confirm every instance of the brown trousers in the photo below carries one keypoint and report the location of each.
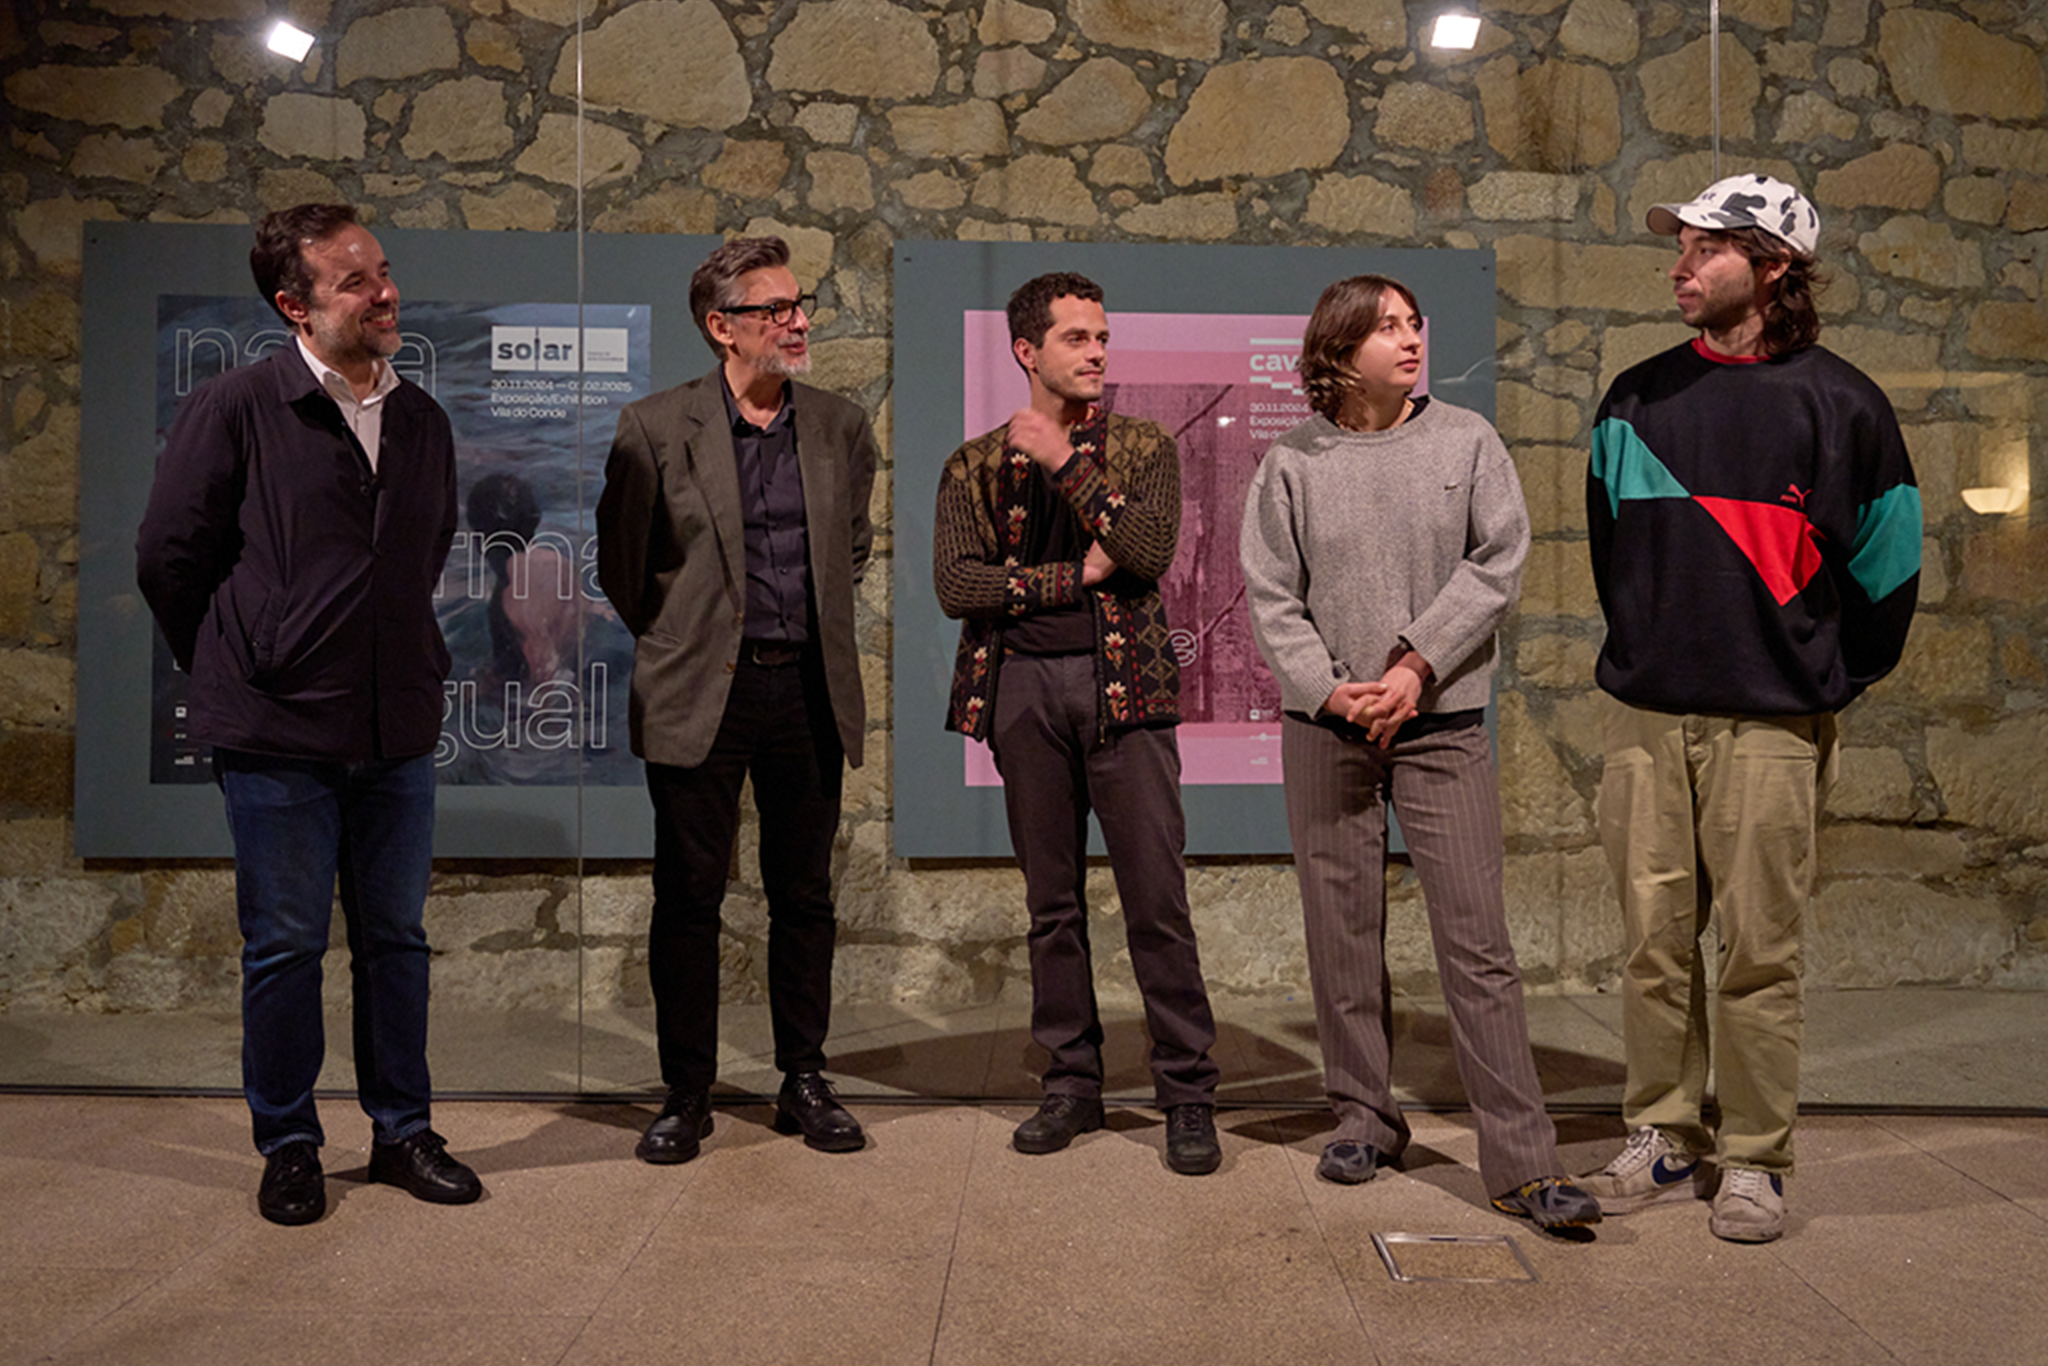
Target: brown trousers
(1444, 788)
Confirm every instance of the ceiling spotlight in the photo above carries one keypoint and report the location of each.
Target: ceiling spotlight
(1455, 30)
(287, 41)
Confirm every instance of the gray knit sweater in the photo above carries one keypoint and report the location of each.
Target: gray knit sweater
(1356, 543)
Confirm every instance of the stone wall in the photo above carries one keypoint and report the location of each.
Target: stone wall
(848, 125)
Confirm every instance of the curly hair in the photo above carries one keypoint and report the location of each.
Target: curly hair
(1344, 317)
(1030, 309)
(278, 260)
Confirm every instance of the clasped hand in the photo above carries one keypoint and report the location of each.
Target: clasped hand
(1381, 707)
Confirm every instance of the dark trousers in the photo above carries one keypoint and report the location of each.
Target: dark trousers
(777, 729)
(1044, 743)
(300, 825)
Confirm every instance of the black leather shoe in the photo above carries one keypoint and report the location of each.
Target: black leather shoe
(806, 1106)
(679, 1131)
(420, 1165)
(293, 1189)
(1059, 1121)
(1191, 1146)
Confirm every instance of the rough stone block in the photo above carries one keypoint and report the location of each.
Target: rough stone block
(1604, 30)
(523, 207)
(1954, 67)
(1525, 197)
(2000, 330)
(839, 181)
(1550, 660)
(2007, 561)
(608, 152)
(1870, 932)
(863, 48)
(1187, 28)
(1419, 114)
(316, 127)
(1977, 199)
(971, 129)
(1906, 365)
(54, 928)
(124, 96)
(672, 208)
(1526, 414)
(461, 120)
(1677, 93)
(1557, 581)
(1558, 116)
(1553, 487)
(1260, 117)
(1885, 851)
(1010, 21)
(1007, 71)
(1537, 799)
(1912, 248)
(1099, 100)
(1808, 117)
(397, 45)
(1038, 187)
(1359, 205)
(1871, 784)
(1546, 272)
(1995, 778)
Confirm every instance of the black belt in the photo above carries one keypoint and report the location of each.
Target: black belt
(770, 654)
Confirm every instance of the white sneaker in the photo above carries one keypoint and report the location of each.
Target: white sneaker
(1750, 1206)
(1645, 1172)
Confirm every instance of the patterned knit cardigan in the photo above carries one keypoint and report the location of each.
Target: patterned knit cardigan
(1124, 485)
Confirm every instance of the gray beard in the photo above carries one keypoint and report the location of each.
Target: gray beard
(788, 369)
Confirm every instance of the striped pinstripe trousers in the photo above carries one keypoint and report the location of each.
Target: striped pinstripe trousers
(1444, 787)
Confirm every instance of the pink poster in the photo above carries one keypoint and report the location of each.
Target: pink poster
(1225, 385)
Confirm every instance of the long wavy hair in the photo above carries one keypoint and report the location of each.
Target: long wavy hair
(1345, 316)
(1791, 322)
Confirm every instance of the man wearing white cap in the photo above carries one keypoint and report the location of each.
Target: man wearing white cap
(1755, 532)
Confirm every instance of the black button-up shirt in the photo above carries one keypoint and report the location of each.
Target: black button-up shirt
(772, 511)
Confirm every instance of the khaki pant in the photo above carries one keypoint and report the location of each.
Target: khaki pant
(1711, 819)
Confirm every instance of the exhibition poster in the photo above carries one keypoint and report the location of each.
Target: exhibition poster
(537, 692)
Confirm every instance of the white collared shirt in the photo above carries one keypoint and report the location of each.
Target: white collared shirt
(365, 416)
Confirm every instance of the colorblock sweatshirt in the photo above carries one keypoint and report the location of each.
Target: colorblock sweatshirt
(1755, 533)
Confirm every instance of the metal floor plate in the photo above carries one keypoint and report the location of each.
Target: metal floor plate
(1453, 1257)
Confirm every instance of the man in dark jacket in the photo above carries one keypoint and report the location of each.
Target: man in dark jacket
(731, 536)
(302, 510)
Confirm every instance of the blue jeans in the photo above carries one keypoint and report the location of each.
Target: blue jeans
(298, 825)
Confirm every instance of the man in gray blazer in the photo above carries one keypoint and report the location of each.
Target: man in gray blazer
(731, 533)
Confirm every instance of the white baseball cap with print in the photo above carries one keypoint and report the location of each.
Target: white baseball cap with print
(1745, 201)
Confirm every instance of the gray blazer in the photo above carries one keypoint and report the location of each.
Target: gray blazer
(672, 558)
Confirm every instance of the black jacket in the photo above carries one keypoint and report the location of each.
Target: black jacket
(295, 586)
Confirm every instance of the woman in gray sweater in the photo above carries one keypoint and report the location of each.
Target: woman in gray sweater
(1383, 544)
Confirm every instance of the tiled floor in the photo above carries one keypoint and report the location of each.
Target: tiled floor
(131, 1236)
(128, 1231)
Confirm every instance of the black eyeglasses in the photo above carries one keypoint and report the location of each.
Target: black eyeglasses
(778, 311)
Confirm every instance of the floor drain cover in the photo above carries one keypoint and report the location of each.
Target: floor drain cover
(1452, 1257)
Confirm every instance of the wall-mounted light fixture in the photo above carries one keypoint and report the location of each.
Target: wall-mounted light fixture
(289, 41)
(1994, 502)
(1455, 30)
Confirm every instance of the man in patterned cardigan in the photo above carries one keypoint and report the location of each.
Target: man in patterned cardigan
(1052, 534)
